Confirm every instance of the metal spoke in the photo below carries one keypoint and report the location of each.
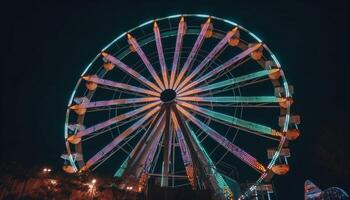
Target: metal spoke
(186, 157)
(238, 105)
(235, 150)
(96, 79)
(235, 99)
(258, 128)
(130, 71)
(119, 147)
(111, 121)
(176, 60)
(228, 82)
(209, 57)
(203, 161)
(194, 51)
(140, 145)
(104, 130)
(96, 104)
(167, 147)
(118, 139)
(161, 54)
(222, 67)
(144, 173)
(233, 87)
(145, 60)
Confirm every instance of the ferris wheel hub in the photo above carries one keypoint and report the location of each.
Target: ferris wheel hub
(168, 95)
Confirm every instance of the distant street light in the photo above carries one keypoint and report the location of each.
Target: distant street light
(46, 170)
(129, 188)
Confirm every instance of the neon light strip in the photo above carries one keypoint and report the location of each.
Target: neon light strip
(166, 148)
(145, 60)
(160, 54)
(179, 39)
(118, 139)
(220, 182)
(96, 104)
(222, 67)
(124, 86)
(185, 152)
(130, 71)
(148, 159)
(228, 82)
(233, 120)
(209, 57)
(140, 144)
(122, 168)
(194, 51)
(114, 120)
(235, 99)
(235, 150)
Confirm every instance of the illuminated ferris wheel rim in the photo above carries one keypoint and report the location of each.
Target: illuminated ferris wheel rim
(181, 91)
(121, 36)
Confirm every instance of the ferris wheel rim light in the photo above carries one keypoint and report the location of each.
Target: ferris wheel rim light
(182, 85)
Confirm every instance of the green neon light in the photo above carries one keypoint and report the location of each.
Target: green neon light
(276, 61)
(219, 179)
(162, 177)
(173, 16)
(201, 15)
(146, 23)
(230, 22)
(122, 168)
(236, 121)
(235, 80)
(255, 37)
(240, 99)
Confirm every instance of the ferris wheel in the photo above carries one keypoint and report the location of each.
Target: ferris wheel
(186, 100)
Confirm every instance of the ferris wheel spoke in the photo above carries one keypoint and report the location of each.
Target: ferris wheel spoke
(193, 52)
(211, 175)
(161, 54)
(233, 87)
(107, 149)
(185, 152)
(222, 67)
(141, 159)
(224, 142)
(75, 138)
(209, 57)
(240, 123)
(167, 147)
(120, 147)
(104, 130)
(145, 60)
(235, 99)
(229, 82)
(140, 145)
(130, 71)
(179, 39)
(96, 104)
(238, 105)
(143, 172)
(97, 80)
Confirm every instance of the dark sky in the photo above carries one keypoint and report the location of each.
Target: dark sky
(46, 46)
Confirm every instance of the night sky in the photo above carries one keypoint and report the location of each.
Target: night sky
(46, 46)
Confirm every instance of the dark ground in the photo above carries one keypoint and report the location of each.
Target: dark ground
(46, 46)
